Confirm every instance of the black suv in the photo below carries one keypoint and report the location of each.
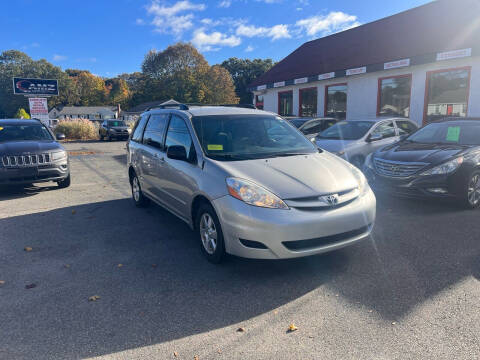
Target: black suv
(29, 153)
(114, 129)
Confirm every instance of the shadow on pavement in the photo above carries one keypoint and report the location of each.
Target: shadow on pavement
(10, 192)
(140, 303)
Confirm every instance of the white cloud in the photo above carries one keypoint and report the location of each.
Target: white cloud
(167, 19)
(249, 48)
(214, 40)
(275, 32)
(57, 57)
(140, 22)
(333, 22)
(225, 3)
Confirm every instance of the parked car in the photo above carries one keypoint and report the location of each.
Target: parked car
(245, 189)
(114, 129)
(353, 140)
(298, 121)
(312, 128)
(440, 160)
(29, 153)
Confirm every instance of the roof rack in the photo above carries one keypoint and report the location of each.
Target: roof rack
(246, 106)
(169, 106)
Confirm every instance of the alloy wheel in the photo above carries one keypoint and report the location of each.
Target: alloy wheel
(208, 233)
(474, 190)
(136, 189)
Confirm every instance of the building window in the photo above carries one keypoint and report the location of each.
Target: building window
(336, 101)
(308, 102)
(394, 96)
(446, 93)
(259, 102)
(285, 103)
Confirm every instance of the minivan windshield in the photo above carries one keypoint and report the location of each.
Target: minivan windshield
(347, 130)
(116, 123)
(448, 133)
(245, 137)
(28, 132)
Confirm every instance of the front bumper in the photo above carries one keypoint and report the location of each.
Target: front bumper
(293, 233)
(55, 171)
(416, 186)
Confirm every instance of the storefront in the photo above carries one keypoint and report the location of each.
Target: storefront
(368, 73)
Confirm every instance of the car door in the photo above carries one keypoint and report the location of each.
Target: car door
(135, 146)
(180, 176)
(389, 135)
(153, 155)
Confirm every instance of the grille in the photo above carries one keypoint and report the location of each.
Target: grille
(397, 169)
(25, 160)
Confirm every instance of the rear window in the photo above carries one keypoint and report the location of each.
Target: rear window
(30, 132)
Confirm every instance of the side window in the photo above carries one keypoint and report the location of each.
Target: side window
(154, 130)
(139, 126)
(385, 129)
(405, 127)
(313, 127)
(178, 134)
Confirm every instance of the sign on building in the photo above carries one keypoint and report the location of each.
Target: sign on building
(356, 71)
(39, 109)
(35, 87)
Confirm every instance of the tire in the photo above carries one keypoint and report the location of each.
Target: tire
(210, 234)
(137, 195)
(109, 138)
(62, 184)
(471, 198)
(101, 137)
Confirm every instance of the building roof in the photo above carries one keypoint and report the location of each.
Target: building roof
(86, 110)
(439, 26)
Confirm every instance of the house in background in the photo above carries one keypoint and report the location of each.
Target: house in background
(92, 113)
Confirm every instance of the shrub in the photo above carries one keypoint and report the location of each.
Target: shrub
(21, 114)
(78, 129)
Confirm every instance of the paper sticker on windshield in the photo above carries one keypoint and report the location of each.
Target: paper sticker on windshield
(404, 126)
(453, 133)
(215, 147)
(1, 128)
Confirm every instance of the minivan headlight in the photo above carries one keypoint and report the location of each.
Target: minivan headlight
(253, 194)
(445, 168)
(59, 155)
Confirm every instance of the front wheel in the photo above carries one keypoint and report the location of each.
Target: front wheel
(62, 184)
(210, 234)
(472, 200)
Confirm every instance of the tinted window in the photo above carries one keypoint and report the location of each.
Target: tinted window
(243, 137)
(347, 130)
(139, 126)
(405, 127)
(298, 122)
(448, 133)
(153, 135)
(178, 134)
(24, 132)
(385, 129)
(312, 127)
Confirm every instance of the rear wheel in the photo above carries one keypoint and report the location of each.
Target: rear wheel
(137, 195)
(472, 200)
(210, 234)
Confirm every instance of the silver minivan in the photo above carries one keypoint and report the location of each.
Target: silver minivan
(248, 182)
(354, 140)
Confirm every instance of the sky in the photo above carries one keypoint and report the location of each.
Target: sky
(110, 37)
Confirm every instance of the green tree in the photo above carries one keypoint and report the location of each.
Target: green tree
(117, 91)
(219, 87)
(243, 72)
(21, 114)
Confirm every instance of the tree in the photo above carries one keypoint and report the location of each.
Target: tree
(243, 72)
(117, 91)
(21, 114)
(219, 87)
(89, 90)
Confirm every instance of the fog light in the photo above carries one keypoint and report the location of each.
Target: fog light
(438, 190)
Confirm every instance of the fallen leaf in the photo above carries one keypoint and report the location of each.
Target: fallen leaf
(336, 295)
(175, 354)
(241, 329)
(74, 212)
(370, 311)
(292, 328)
(27, 248)
(119, 265)
(2, 282)
(30, 286)
(275, 312)
(393, 322)
(93, 298)
(219, 351)
(66, 266)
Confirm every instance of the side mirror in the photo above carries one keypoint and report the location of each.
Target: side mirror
(60, 136)
(177, 152)
(374, 137)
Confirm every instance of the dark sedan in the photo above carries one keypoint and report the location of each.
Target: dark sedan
(441, 159)
(313, 127)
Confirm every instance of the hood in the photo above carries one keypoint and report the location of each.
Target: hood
(295, 176)
(28, 147)
(333, 146)
(415, 152)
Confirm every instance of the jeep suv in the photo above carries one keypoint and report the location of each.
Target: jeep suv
(29, 153)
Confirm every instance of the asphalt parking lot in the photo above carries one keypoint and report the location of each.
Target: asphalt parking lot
(412, 291)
